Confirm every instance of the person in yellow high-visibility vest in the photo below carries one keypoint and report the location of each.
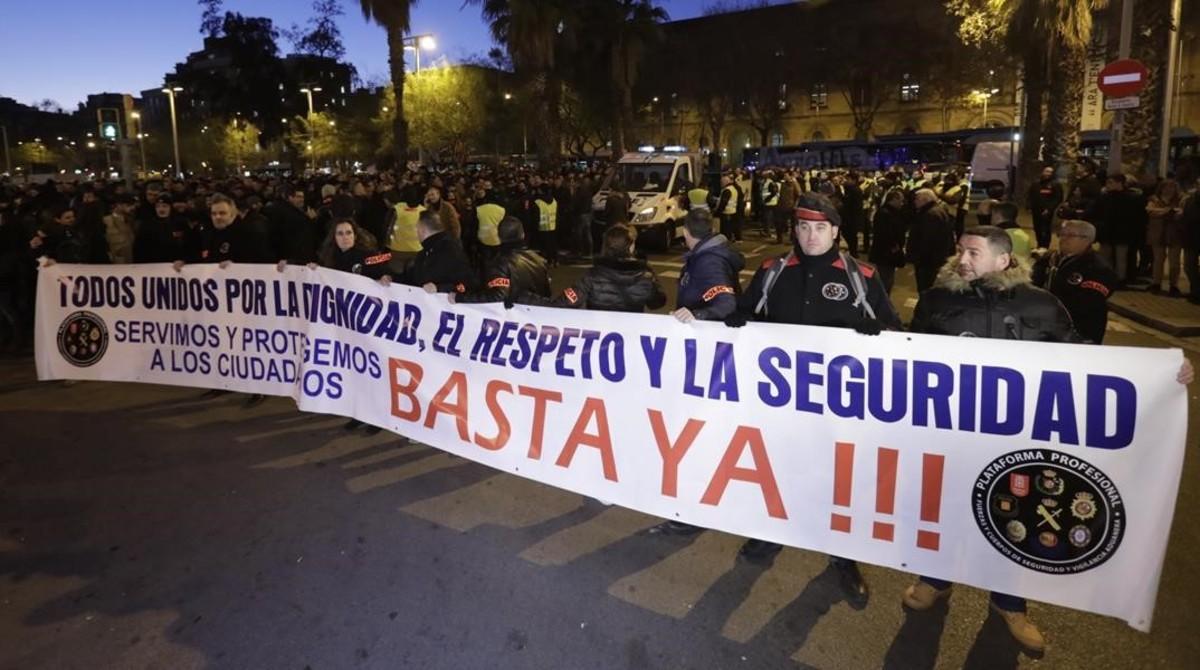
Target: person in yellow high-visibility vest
(547, 224)
(697, 198)
(402, 234)
(727, 207)
(489, 213)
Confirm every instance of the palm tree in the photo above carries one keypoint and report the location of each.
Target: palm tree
(632, 25)
(1033, 28)
(395, 17)
(1072, 28)
(1143, 125)
(530, 31)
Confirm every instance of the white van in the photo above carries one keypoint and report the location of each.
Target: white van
(992, 162)
(653, 180)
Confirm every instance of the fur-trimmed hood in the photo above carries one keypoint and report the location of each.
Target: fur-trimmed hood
(1020, 273)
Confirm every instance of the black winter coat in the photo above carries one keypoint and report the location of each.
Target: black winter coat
(294, 236)
(816, 291)
(1120, 217)
(1003, 305)
(709, 283)
(442, 262)
(243, 241)
(167, 240)
(624, 284)
(516, 273)
(931, 238)
(890, 234)
(72, 244)
(362, 262)
(1083, 284)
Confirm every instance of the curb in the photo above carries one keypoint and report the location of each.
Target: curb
(1167, 327)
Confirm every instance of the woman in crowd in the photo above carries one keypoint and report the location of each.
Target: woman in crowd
(1164, 234)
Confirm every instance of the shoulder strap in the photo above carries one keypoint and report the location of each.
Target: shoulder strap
(769, 281)
(854, 274)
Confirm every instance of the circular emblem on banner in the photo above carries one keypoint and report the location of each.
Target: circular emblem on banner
(1049, 511)
(82, 339)
(835, 291)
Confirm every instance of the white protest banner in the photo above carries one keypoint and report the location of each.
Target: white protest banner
(1042, 470)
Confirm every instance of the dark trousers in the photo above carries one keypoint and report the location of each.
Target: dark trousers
(548, 245)
(1001, 600)
(1041, 230)
(926, 275)
(851, 235)
(1191, 268)
(887, 274)
(768, 219)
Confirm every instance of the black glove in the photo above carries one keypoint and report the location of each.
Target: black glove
(508, 301)
(736, 319)
(869, 327)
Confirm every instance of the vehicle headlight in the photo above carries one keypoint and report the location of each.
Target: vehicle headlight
(645, 215)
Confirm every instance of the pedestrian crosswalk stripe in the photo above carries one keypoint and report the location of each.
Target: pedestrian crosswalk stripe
(384, 456)
(673, 585)
(388, 476)
(291, 428)
(336, 448)
(501, 500)
(227, 412)
(774, 590)
(606, 528)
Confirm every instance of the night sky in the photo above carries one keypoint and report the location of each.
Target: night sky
(65, 49)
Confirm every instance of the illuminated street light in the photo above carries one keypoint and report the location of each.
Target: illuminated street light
(508, 96)
(171, 91)
(417, 43)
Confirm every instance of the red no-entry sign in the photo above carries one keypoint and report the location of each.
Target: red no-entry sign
(1123, 78)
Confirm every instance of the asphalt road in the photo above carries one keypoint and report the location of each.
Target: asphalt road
(144, 527)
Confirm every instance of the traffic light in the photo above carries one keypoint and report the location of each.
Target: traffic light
(110, 123)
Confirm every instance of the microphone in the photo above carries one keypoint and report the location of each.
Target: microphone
(1010, 322)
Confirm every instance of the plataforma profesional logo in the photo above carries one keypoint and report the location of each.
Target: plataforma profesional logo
(82, 339)
(1049, 511)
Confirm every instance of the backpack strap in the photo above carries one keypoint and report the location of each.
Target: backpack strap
(854, 274)
(769, 281)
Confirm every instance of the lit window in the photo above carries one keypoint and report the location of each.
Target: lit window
(777, 138)
(818, 97)
(910, 91)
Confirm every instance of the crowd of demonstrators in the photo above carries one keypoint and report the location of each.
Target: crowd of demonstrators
(467, 236)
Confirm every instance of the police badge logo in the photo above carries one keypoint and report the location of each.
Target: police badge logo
(82, 339)
(224, 247)
(1075, 523)
(1075, 279)
(835, 291)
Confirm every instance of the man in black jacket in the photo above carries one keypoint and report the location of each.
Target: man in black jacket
(1079, 278)
(514, 273)
(233, 236)
(166, 237)
(1044, 198)
(293, 227)
(816, 285)
(708, 283)
(931, 238)
(65, 241)
(618, 281)
(441, 266)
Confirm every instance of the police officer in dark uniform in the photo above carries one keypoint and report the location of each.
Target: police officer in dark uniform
(1080, 279)
(515, 272)
(708, 283)
(815, 284)
(234, 238)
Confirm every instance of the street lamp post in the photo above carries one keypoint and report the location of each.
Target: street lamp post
(308, 91)
(423, 41)
(7, 158)
(141, 145)
(171, 91)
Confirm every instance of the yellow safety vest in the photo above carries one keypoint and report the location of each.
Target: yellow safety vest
(698, 198)
(403, 237)
(547, 214)
(731, 206)
(490, 215)
(768, 199)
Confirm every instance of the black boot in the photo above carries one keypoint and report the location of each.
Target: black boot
(351, 424)
(213, 393)
(254, 401)
(759, 552)
(851, 580)
(373, 430)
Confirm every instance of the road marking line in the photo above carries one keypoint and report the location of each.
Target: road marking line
(322, 425)
(389, 476)
(336, 448)
(502, 500)
(384, 456)
(774, 590)
(666, 264)
(608, 527)
(227, 413)
(669, 274)
(673, 585)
